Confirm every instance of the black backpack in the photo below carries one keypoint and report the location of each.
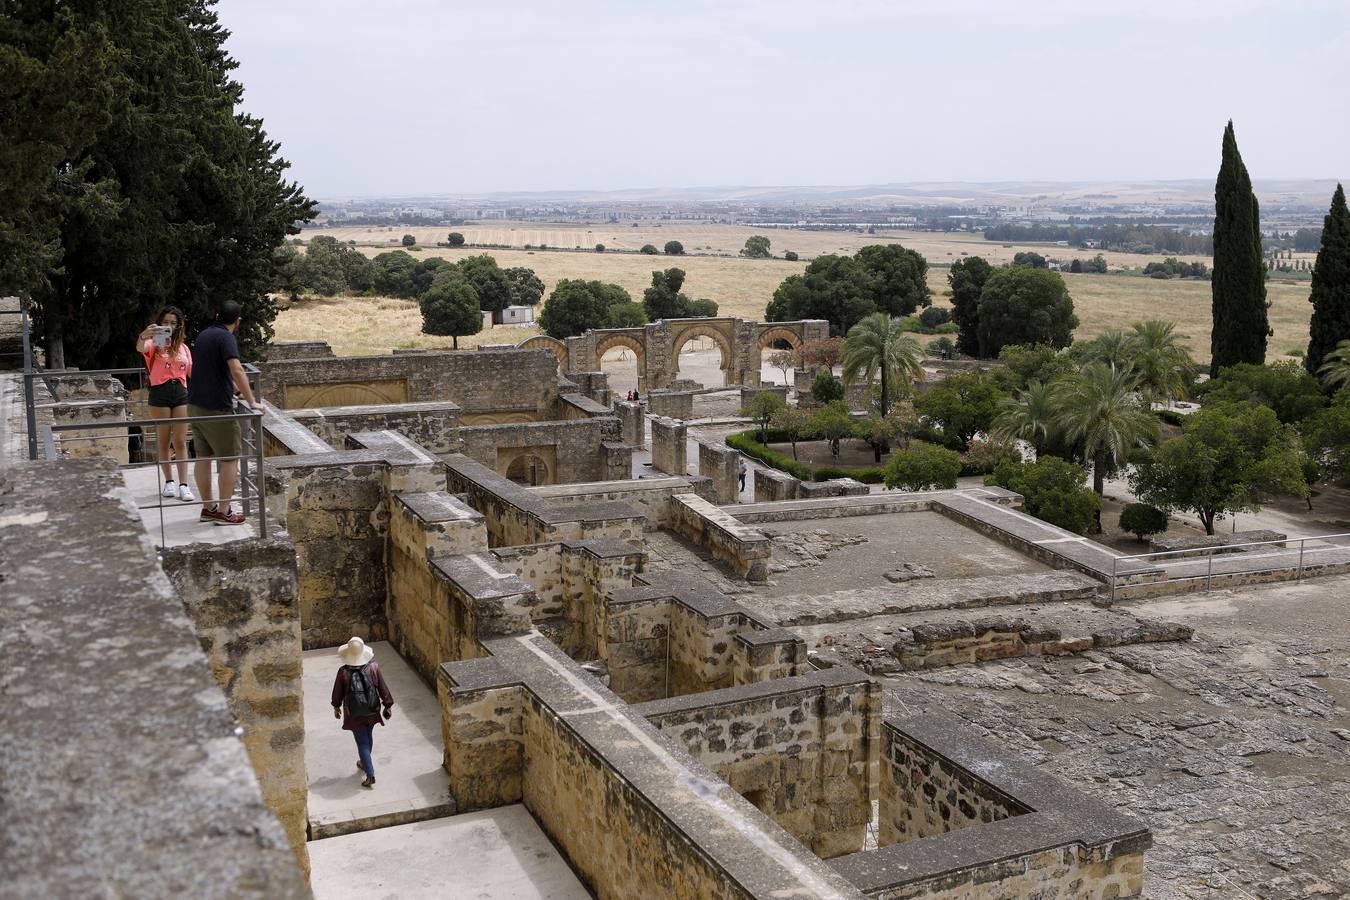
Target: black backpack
(362, 698)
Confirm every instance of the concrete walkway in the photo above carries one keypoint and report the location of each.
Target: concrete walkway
(173, 523)
(493, 853)
(410, 784)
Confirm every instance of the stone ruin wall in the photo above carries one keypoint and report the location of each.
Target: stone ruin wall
(242, 600)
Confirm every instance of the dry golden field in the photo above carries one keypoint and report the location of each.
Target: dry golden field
(709, 238)
(742, 287)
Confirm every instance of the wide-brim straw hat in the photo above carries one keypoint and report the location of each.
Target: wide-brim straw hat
(355, 652)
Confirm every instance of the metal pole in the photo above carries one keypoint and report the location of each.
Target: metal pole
(29, 400)
(1209, 574)
(1114, 561)
(1300, 557)
(262, 481)
(243, 470)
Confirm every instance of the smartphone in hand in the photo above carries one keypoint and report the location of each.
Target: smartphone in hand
(163, 334)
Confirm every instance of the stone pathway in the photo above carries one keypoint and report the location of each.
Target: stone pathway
(494, 853)
(173, 523)
(410, 783)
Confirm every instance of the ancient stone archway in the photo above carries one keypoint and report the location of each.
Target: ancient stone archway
(686, 334)
(552, 345)
(769, 336)
(638, 345)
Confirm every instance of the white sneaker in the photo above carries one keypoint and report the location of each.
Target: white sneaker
(170, 489)
(185, 493)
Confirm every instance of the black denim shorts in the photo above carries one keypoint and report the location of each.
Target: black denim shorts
(169, 394)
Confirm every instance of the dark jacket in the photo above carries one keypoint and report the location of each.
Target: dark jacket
(349, 723)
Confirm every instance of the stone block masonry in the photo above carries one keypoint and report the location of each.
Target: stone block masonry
(633, 423)
(746, 551)
(672, 404)
(632, 810)
(242, 599)
(720, 463)
(124, 774)
(433, 425)
(670, 446)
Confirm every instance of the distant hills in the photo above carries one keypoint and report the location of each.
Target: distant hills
(1200, 192)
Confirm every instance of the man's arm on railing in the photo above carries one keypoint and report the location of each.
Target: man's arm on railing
(241, 383)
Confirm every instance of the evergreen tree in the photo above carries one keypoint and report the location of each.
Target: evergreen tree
(1331, 285)
(159, 192)
(1240, 325)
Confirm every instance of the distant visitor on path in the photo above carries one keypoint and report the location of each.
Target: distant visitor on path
(216, 375)
(358, 693)
(169, 363)
(740, 472)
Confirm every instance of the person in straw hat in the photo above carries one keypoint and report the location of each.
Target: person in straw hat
(358, 695)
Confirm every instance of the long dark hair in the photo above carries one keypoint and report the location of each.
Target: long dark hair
(179, 330)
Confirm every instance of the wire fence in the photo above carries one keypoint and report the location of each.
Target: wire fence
(1226, 561)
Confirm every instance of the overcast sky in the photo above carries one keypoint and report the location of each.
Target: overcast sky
(400, 97)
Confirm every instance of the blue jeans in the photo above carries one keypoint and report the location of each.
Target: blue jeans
(365, 742)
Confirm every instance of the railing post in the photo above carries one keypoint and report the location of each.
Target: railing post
(245, 498)
(258, 474)
(1114, 561)
(29, 396)
(1209, 573)
(1301, 542)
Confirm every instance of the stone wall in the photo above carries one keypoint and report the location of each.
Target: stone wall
(626, 805)
(433, 425)
(423, 527)
(337, 518)
(772, 485)
(720, 463)
(571, 450)
(672, 404)
(803, 750)
(471, 379)
(745, 550)
(670, 446)
(515, 515)
(650, 496)
(961, 819)
(632, 423)
(97, 441)
(106, 796)
(928, 795)
(747, 393)
(242, 600)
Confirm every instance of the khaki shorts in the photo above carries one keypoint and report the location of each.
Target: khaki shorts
(215, 438)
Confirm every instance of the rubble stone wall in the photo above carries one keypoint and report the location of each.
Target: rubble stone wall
(242, 600)
(720, 463)
(434, 426)
(742, 548)
(803, 750)
(577, 454)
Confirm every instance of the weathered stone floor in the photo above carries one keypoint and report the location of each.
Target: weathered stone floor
(410, 783)
(172, 523)
(494, 853)
(1235, 746)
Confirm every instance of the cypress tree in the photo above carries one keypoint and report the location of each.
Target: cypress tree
(1330, 295)
(1240, 325)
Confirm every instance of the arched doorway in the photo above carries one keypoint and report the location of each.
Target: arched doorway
(552, 345)
(529, 470)
(778, 355)
(703, 355)
(624, 359)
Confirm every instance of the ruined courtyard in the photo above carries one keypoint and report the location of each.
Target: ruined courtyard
(619, 674)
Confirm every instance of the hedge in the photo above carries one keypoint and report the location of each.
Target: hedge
(745, 442)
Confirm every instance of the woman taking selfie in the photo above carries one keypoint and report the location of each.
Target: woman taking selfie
(170, 363)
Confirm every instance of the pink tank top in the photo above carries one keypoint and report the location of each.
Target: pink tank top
(164, 368)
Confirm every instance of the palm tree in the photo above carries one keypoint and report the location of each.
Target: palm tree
(1335, 369)
(1100, 412)
(1111, 347)
(1162, 364)
(1031, 417)
(877, 344)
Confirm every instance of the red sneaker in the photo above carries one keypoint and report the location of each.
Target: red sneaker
(209, 515)
(228, 518)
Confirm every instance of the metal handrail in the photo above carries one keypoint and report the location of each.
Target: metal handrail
(1220, 550)
(251, 439)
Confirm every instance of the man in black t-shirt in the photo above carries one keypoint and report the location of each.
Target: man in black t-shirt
(216, 372)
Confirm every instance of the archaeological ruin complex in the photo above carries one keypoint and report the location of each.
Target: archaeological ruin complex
(685, 687)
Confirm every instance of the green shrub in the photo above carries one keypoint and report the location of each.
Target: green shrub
(1171, 416)
(947, 328)
(986, 455)
(1053, 491)
(826, 388)
(1141, 520)
(923, 467)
